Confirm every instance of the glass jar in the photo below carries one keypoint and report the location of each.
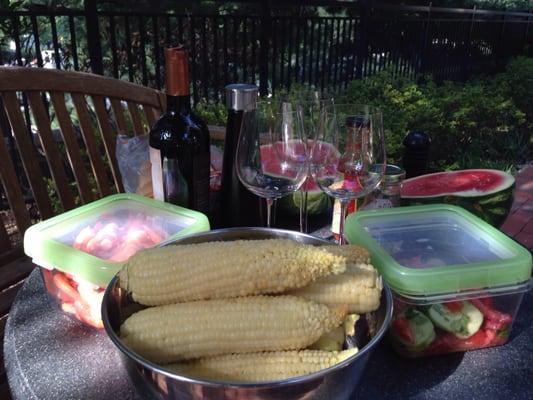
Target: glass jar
(387, 194)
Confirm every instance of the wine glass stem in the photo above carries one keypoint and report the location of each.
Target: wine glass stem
(344, 206)
(269, 211)
(303, 210)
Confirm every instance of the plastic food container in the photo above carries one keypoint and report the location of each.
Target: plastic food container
(457, 282)
(81, 250)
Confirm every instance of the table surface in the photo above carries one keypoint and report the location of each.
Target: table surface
(50, 356)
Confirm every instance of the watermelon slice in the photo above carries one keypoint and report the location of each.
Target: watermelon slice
(317, 201)
(487, 193)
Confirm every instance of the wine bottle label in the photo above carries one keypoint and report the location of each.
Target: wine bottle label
(157, 174)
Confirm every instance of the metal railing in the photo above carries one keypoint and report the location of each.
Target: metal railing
(272, 45)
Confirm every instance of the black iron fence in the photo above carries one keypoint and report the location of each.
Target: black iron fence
(273, 45)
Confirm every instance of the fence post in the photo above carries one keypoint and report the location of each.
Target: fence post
(501, 58)
(425, 64)
(264, 46)
(361, 46)
(526, 34)
(467, 54)
(93, 36)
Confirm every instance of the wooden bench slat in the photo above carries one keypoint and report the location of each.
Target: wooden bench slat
(89, 138)
(11, 255)
(216, 132)
(53, 157)
(42, 79)
(12, 188)
(15, 271)
(136, 119)
(5, 243)
(150, 116)
(118, 111)
(28, 154)
(109, 139)
(71, 147)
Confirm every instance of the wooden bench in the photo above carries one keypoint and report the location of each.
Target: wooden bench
(58, 152)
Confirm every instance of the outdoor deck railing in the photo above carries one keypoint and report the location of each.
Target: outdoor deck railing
(271, 45)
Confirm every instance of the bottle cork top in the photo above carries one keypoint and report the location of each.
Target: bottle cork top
(176, 71)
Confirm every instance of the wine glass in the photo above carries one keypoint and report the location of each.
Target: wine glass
(312, 105)
(271, 159)
(347, 158)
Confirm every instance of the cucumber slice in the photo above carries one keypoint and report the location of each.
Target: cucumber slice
(474, 317)
(463, 323)
(422, 329)
(445, 319)
(421, 346)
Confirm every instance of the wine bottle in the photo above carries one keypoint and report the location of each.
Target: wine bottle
(179, 142)
(239, 206)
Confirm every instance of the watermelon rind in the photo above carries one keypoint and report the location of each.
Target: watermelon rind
(317, 203)
(492, 205)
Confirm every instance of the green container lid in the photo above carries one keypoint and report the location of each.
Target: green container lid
(63, 242)
(439, 249)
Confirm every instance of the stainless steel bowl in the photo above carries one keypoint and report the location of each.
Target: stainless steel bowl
(155, 382)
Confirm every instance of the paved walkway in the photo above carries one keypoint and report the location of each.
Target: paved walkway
(519, 223)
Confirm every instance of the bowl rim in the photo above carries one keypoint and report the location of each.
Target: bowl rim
(156, 368)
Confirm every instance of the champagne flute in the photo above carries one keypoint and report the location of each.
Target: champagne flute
(347, 158)
(312, 105)
(271, 159)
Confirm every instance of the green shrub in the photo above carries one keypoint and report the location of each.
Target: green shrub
(212, 113)
(484, 123)
(517, 83)
(479, 126)
(405, 106)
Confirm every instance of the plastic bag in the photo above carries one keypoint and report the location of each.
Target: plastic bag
(133, 158)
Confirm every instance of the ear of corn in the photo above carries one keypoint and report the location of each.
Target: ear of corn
(349, 324)
(214, 270)
(354, 254)
(330, 341)
(334, 339)
(260, 367)
(358, 289)
(206, 328)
